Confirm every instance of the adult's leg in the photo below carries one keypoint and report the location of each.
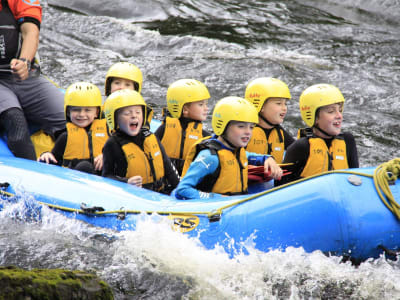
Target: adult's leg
(14, 123)
(43, 103)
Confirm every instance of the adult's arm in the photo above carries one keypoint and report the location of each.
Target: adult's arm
(30, 43)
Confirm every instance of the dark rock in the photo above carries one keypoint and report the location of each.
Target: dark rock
(44, 284)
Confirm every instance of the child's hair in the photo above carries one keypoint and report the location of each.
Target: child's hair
(261, 89)
(185, 91)
(124, 70)
(232, 109)
(121, 99)
(82, 94)
(315, 97)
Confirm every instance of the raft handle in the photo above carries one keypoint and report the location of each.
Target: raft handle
(90, 209)
(214, 217)
(4, 185)
(122, 214)
(389, 252)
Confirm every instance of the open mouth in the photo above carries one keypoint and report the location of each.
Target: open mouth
(337, 124)
(133, 126)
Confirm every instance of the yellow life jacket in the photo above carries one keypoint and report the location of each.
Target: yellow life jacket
(231, 176)
(85, 145)
(322, 159)
(274, 145)
(177, 142)
(147, 162)
(42, 142)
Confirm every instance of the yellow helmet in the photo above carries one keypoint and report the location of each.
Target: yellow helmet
(120, 99)
(232, 109)
(316, 96)
(185, 91)
(261, 89)
(82, 94)
(124, 70)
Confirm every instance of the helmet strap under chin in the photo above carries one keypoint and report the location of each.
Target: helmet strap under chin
(324, 132)
(223, 136)
(266, 121)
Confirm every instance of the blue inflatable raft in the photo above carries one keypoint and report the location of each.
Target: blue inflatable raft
(350, 213)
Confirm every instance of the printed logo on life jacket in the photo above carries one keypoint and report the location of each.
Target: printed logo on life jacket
(193, 137)
(32, 2)
(184, 223)
(100, 134)
(339, 157)
(277, 148)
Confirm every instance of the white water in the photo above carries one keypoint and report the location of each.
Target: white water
(155, 262)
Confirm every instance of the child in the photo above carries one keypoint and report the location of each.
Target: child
(187, 101)
(123, 75)
(269, 96)
(133, 154)
(323, 147)
(220, 162)
(80, 146)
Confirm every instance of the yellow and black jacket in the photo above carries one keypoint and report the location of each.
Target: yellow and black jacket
(231, 176)
(126, 156)
(312, 155)
(322, 158)
(177, 136)
(84, 144)
(268, 141)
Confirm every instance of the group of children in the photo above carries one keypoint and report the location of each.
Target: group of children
(114, 139)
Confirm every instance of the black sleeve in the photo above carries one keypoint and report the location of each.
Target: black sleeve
(171, 173)
(297, 154)
(114, 161)
(288, 138)
(59, 147)
(351, 150)
(160, 131)
(30, 20)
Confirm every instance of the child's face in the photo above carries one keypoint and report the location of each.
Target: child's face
(197, 110)
(82, 116)
(330, 118)
(239, 133)
(274, 110)
(130, 119)
(120, 84)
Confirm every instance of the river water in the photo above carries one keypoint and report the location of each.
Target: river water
(351, 44)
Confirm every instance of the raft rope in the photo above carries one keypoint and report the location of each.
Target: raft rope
(384, 174)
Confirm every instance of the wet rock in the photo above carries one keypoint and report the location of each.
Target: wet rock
(41, 284)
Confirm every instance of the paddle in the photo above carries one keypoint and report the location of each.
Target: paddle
(257, 173)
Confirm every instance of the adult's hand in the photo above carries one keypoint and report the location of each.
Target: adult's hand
(20, 69)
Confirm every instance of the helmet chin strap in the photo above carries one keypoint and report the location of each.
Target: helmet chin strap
(324, 132)
(266, 121)
(228, 142)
